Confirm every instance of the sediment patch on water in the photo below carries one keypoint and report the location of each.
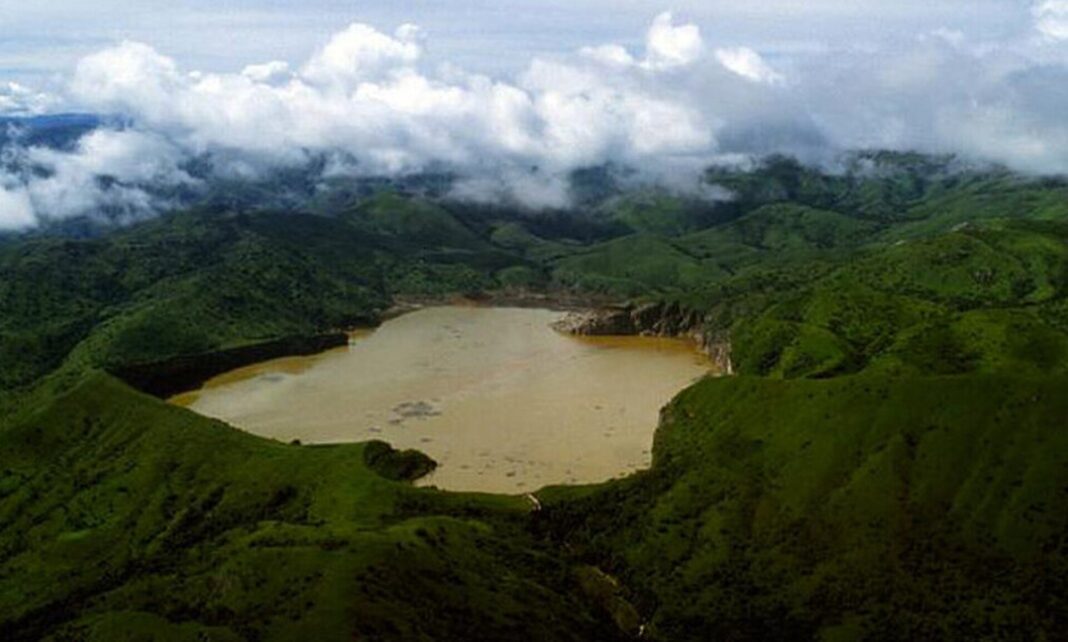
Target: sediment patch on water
(498, 398)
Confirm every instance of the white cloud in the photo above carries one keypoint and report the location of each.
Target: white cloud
(1051, 18)
(362, 53)
(615, 55)
(129, 77)
(669, 46)
(116, 171)
(271, 73)
(19, 100)
(533, 189)
(365, 94)
(373, 103)
(16, 210)
(748, 64)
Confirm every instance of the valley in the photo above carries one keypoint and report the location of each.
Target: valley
(498, 399)
(887, 460)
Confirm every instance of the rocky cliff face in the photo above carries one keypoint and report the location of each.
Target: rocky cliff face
(657, 319)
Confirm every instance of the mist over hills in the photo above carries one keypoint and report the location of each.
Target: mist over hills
(871, 240)
(369, 103)
(102, 199)
(887, 461)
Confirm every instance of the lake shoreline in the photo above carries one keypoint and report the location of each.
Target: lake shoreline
(188, 372)
(587, 315)
(591, 315)
(185, 373)
(555, 301)
(446, 380)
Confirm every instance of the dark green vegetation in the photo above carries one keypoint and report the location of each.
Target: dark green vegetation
(867, 507)
(891, 462)
(124, 518)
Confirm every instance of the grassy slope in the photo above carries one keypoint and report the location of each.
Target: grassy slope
(184, 284)
(657, 212)
(859, 507)
(958, 302)
(203, 280)
(630, 266)
(884, 505)
(121, 514)
(887, 503)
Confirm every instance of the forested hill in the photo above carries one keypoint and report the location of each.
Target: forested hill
(811, 273)
(889, 462)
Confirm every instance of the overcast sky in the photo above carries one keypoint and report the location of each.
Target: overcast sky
(42, 38)
(514, 95)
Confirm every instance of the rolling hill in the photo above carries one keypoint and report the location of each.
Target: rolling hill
(889, 462)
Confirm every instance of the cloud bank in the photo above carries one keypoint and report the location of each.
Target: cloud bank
(19, 100)
(375, 103)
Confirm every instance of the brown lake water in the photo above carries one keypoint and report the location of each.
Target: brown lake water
(502, 401)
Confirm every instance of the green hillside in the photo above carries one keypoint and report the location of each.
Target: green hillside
(965, 301)
(854, 508)
(889, 464)
(630, 266)
(123, 517)
(657, 212)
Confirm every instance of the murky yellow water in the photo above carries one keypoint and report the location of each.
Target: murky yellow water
(499, 399)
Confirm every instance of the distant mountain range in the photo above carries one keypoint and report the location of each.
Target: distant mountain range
(56, 131)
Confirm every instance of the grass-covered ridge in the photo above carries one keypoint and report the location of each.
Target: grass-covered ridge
(861, 507)
(123, 516)
(889, 465)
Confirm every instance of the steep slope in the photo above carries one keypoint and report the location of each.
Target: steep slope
(896, 471)
(958, 302)
(121, 516)
(854, 508)
(182, 284)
